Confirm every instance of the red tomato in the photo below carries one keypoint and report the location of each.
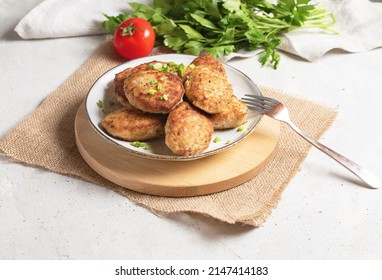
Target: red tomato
(134, 38)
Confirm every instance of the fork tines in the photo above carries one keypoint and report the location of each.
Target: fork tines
(259, 103)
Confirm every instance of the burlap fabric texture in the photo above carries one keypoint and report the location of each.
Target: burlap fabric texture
(45, 139)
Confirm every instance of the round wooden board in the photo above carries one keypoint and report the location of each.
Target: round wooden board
(178, 178)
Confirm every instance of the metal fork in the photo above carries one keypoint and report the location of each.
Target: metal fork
(275, 109)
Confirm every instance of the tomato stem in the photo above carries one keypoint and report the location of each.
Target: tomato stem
(128, 30)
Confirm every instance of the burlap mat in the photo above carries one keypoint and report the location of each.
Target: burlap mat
(46, 139)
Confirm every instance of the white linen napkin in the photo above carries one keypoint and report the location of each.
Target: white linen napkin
(359, 23)
(69, 18)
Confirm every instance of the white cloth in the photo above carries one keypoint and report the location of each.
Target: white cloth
(359, 23)
(69, 18)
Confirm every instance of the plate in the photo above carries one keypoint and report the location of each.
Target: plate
(102, 90)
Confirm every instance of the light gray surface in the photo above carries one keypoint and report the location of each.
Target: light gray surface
(323, 214)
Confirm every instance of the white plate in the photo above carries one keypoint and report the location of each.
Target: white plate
(103, 90)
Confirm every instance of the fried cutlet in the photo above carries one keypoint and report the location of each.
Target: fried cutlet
(187, 130)
(234, 115)
(208, 90)
(119, 93)
(133, 125)
(211, 63)
(120, 77)
(153, 91)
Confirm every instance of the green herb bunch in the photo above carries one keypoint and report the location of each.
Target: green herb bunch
(220, 27)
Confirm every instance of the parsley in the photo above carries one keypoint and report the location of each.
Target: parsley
(222, 27)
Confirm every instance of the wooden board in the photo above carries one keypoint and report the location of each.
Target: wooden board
(178, 179)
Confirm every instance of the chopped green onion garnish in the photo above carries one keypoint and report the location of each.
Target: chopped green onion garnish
(100, 104)
(217, 139)
(172, 64)
(165, 68)
(241, 128)
(138, 144)
(157, 66)
(159, 86)
(164, 97)
(153, 82)
(152, 91)
(181, 69)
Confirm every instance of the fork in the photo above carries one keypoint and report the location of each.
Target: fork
(276, 110)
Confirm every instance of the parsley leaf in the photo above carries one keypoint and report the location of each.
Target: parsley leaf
(220, 27)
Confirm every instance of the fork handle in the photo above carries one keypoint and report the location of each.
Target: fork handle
(363, 174)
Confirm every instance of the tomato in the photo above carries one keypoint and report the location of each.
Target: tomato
(134, 38)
